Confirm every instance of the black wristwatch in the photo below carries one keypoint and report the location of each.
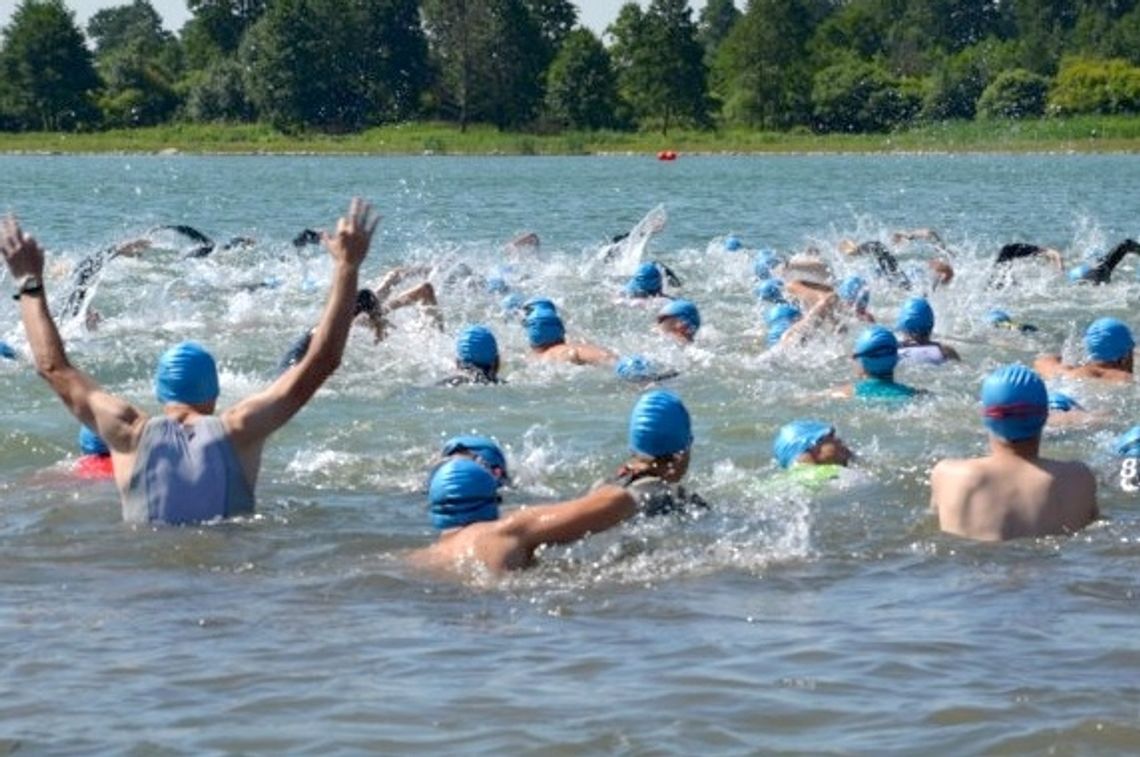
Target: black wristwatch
(29, 285)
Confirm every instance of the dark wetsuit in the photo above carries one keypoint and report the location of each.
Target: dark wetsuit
(366, 302)
(888, 266)
(1101, 271)
(471, 374)
(655, 496)
(82, 278)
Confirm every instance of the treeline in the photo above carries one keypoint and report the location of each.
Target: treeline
(340, 66)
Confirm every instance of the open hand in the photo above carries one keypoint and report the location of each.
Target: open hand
(349, 243)
(22, 254)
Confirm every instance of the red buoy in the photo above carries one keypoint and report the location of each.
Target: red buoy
(667, 155)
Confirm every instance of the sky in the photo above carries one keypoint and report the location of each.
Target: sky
(595, 14)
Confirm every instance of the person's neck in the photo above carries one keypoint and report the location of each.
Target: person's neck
(1025, 449)
(182, 413)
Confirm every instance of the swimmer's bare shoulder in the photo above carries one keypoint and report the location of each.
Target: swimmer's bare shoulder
(495, 546)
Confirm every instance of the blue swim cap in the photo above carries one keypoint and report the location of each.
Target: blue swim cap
(646, 282)
(1108, 340)
(853, 290)
(1062, 402)
(684, 311)
(798, 437)
(635, 368)
(538, 303)
(659, 425)
(997, 316)
(6, 351)
(544, 327)
(1015, 403)
(779, 319)
(461, 492)
(766, 260)
(1080, 273)
(1128, 445)
(497, 285)
(90, 443)
(512, 303)
(878, 351)
(186, 374)
(485, 450)
(477, 346)
(916, 318)
(732, 243)
(770, 290)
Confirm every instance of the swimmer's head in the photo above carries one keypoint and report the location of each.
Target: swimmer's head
(6, 351)
(766, 260)
(997, 317)
(512, 304)
(1128, 445)
(366, 302)
(916, 318)
(91, 443)
(877, 351)
(544, 328)
(534, 304)
(186, 375)
(1082, 272)
(779, 319)
(482, 450)
(680, 317)
(659, 425)
(770, 290)
(1062, 402)
(497, 285)
(461, 492)
(1015, 403)
(635, 369)
(476, 348)
(854, 291)
(732, 243)
(813, 438)
(646, 281)
(1108, 340)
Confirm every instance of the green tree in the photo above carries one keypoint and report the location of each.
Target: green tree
(959, 80)
(217, 28)
(661, 70)
(218, 94)
(714, 23)
(331, 66)
(581, 88)
(1014, 94)
(49, 80)
(139, 62)
(763, 73)
(1095, 86)
(860, 97)
(555, 20)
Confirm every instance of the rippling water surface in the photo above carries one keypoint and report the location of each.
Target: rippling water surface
(842, 622)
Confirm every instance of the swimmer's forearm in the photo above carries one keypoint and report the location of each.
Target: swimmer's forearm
(43, 336)
(331, 332)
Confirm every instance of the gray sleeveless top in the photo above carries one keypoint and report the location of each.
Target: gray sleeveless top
(186, 474)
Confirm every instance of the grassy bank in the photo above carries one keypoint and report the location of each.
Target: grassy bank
(1084, 134)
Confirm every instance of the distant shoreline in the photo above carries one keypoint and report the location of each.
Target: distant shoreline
(1088, 134)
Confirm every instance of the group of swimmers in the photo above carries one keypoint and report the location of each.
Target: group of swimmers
(189, 465)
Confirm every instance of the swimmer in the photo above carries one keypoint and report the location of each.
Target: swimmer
(1013, 492)
(876, 355)
(482, 450)
(732, 243)
(887, 265)
(476, 357)
(1000, 319)
(679, 319)
(766, 263)
(422, 294)
(366, 306)
(1108, 344)
(464, 499)
(95, 462)
(1003, 269)
(1066, 412)
(1099, 269)
(547, 338)
(788, 326)
(636, 239)
(811, 452)
(856, 296)
(525, 242)
(186, 464)
(637, 369)
(648, 282)
(915, 324)
(770, 290)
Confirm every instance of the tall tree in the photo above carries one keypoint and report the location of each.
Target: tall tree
(714, 23)
(661, 64)
(49, 79)
(581, 89)
(139, 61)
(217, 27)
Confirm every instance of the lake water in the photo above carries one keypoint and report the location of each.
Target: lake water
(841, 622)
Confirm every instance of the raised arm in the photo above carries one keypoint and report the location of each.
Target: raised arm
(252, 420)
(601, 509)
(116, 421)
